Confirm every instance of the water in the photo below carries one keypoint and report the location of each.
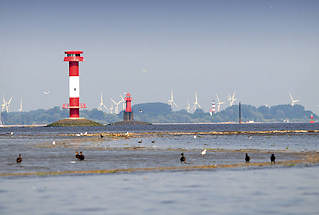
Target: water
(244, 190)
(256, 191)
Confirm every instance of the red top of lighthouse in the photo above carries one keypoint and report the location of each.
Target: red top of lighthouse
(128, 100)
(73, 56)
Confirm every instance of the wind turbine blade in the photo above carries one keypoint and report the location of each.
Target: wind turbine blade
(9, 101)
(291, 98)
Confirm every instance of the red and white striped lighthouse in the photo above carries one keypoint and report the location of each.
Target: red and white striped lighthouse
(74, 57)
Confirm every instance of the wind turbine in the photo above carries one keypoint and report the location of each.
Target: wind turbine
(102, 106)
(293, 101)
(116, 105)
(0, 120)
(5, 104)
(123, 102)
(111, 109)
(171, 101)
(188, 107)
(196, 105)
(21, 106)
(231, 99)
(219, 103)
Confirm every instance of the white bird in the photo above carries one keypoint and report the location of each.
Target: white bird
(53, 142)
(11, 133)
(86, 133)
(195, 136)
(78, 135)
(204, 152)
(72, 162)
(46, 92)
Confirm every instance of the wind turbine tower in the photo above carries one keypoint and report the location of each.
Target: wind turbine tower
(219, 103)
(196, 104)
(231, 99)
(188, 107)
(116, 104)
(102, 106)
(21, 106)
(5, 105)
(293, 101)
(171, 101)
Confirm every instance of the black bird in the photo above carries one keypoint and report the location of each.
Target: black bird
(183, 159)
(77, 156)
(153, 141)
(140, 141)
(101, 135)
(81, 156)
(247, 158)
(19, 159)
(273, 159)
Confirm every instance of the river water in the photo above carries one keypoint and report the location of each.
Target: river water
(244, 190)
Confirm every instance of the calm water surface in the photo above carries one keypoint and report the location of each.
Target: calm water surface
(254, 191)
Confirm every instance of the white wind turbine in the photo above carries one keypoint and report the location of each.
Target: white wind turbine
(123, 102)
(111, 109)
(171, 101)
(188, 107)
(116, 104)
(292, 100)
(231, 99)
(196, 105)
(0, 120)
(219, 103)
(21, 106)
(102, 106)
(5, 104)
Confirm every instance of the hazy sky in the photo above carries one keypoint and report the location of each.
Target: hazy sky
(262, 50)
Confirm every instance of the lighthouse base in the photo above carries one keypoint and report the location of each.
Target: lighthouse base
(128, 116)
(74, 122)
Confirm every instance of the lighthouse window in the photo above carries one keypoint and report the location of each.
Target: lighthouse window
(73, 55)
(74, 89)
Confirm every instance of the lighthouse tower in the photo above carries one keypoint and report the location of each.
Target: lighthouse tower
(128, 114)
(74, 57)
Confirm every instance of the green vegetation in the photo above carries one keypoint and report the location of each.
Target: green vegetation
(160, 112)
(74, 122)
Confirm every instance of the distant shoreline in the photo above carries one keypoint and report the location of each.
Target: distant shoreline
(170, 123)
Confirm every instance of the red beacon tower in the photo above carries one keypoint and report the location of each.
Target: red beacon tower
(74, 57)
(128, 114)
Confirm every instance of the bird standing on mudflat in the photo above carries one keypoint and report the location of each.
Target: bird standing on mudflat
(247, 158)
(183, 158)
(203, 152)
(272, 158)
(81, 156)
(19, 159)
(77, 156)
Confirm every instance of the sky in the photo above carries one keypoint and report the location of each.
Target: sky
(261, 50)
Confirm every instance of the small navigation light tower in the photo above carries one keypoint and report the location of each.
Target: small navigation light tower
(74, 57)
(128, 114)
